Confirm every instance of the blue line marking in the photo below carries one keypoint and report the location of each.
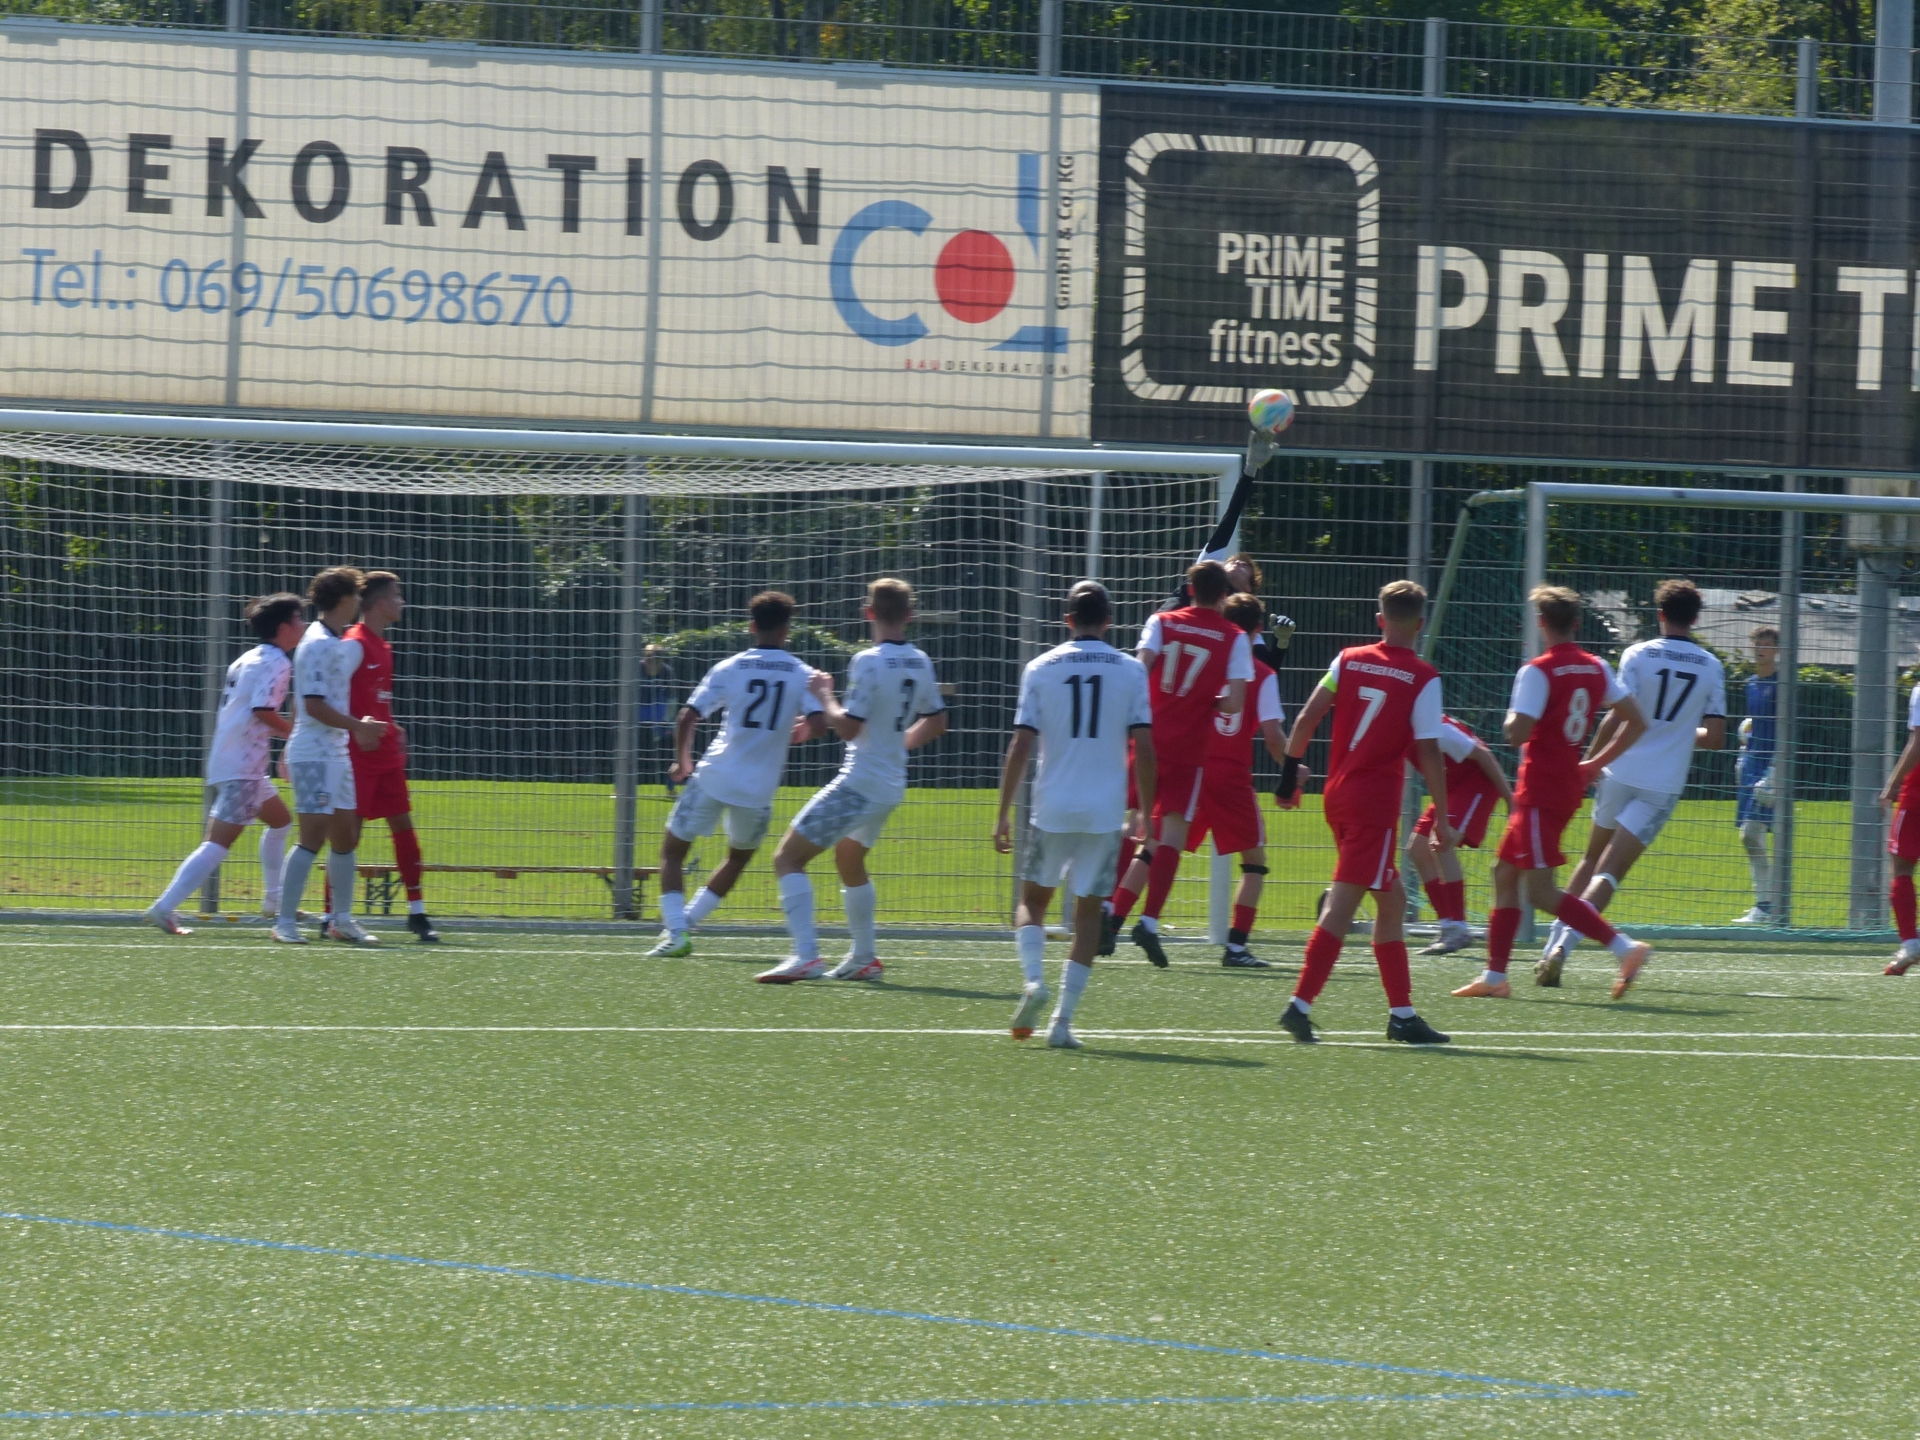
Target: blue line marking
(637, 1407)
(828, 1307)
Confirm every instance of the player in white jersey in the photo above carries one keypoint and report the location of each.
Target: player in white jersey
(317, 760)
(893, 706)
(763, 692)
(1681, 688)
(237, 760)
(1079, 704)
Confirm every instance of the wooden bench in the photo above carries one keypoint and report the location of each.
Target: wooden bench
(384, 886)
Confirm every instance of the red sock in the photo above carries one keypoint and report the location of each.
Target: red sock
(1440, 895)
(1457, 898)
(1244, 915)
(1903, 907)
(1160, 872)
(1579, 915)
(1122, 902)
(1323, 950)
(1395, 978)
(1502, 926)
(326, 902)
(406, 859)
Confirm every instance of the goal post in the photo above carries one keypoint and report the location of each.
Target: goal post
(1822, 566)
(539, 566)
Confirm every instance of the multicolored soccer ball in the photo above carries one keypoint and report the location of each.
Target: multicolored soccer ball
(1270, 411)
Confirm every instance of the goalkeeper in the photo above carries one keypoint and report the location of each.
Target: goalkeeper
(1753, 774)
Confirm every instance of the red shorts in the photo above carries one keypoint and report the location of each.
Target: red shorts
(1230, 811)
(1472, 825)
(381, 792)
(1176, 791)
(1366, 854)
(1903, 834)
(1532, 841)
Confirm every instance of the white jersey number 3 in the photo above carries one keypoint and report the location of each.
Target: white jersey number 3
(1375, 699)
(1579, 711)
(1170, 667)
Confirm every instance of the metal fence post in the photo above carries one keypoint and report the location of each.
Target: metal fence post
(237, 17)
(1806, 79)
(1535, 574)
(1433, 70)
(1096, 517)
(1786, 743)
(1050, 37)
(213, 663)
(1893, 62)
(1872, 717)
(626, 729)
(650, 26)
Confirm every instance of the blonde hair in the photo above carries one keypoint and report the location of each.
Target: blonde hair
(1558, 606)
(1403, 600)
(890, 600)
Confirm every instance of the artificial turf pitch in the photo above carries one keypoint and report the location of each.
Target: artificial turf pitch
(1682, 1215)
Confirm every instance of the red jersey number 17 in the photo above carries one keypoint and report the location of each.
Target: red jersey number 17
(1171, 681)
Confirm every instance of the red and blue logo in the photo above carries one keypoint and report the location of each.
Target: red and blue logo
(973, 275)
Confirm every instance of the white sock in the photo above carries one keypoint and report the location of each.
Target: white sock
(1401, 1012)
(340, 875)
(293, 880)
(705, 902)
(1621, 943)
(1032, 940)
(1152, 922)
(416, 907)
(860, 903)
(796, 903)
(273, 859)
(1073, 984)
(1492, 977)
(1305, 1007)
(191, 875)
(673, 911)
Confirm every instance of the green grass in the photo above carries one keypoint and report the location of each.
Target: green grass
(1698, 1196)
(113, 844)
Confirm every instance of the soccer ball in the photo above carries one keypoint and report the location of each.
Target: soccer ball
(1270, 411)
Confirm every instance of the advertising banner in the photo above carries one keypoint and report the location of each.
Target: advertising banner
(247, 223)
(1508, 281)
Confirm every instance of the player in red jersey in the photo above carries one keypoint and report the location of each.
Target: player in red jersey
(380, 776)
(1229, 805)
(1386, 705)
(1901, 796)
(1475, 783)
(1557, 700)
(1198, 665)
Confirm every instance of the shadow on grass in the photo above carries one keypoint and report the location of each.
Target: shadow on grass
(947, 992)
(1163, 1057)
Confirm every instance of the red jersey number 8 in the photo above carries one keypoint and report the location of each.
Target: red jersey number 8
(1579, 711)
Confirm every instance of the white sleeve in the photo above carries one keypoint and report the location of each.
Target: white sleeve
(809, 702)
(1456, 744)
(1267, 702)
(1428, 712)
(1616, 692)
(347, 658)
(709, 695)
(1026, 714)
(857, 698)
(1141, 713)
(1529, 692)
(1240, 658)
(1150, 634)
(1330, 682)
(269, 687)
(1717, 694)
(1913, 709)
(931, 702)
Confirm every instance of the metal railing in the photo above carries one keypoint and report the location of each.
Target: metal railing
(1130, 40)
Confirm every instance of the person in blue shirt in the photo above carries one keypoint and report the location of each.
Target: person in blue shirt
(1753, 774)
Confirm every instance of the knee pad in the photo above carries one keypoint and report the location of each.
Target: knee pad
(1253, 869)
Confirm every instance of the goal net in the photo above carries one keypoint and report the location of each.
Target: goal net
(538, 570)
(1823, 567)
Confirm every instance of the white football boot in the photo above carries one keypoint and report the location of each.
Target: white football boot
(1033, 1001)
(793, 969)
(287, 932)
(166, 920)
(672, 945)
(346, 928)
(856, 967)
(1060, 1036)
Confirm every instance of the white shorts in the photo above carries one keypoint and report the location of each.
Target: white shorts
(238, 802)
(1084, 860)
(697, 813)
(840, 812)
(1641, 813)
(321, 787)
